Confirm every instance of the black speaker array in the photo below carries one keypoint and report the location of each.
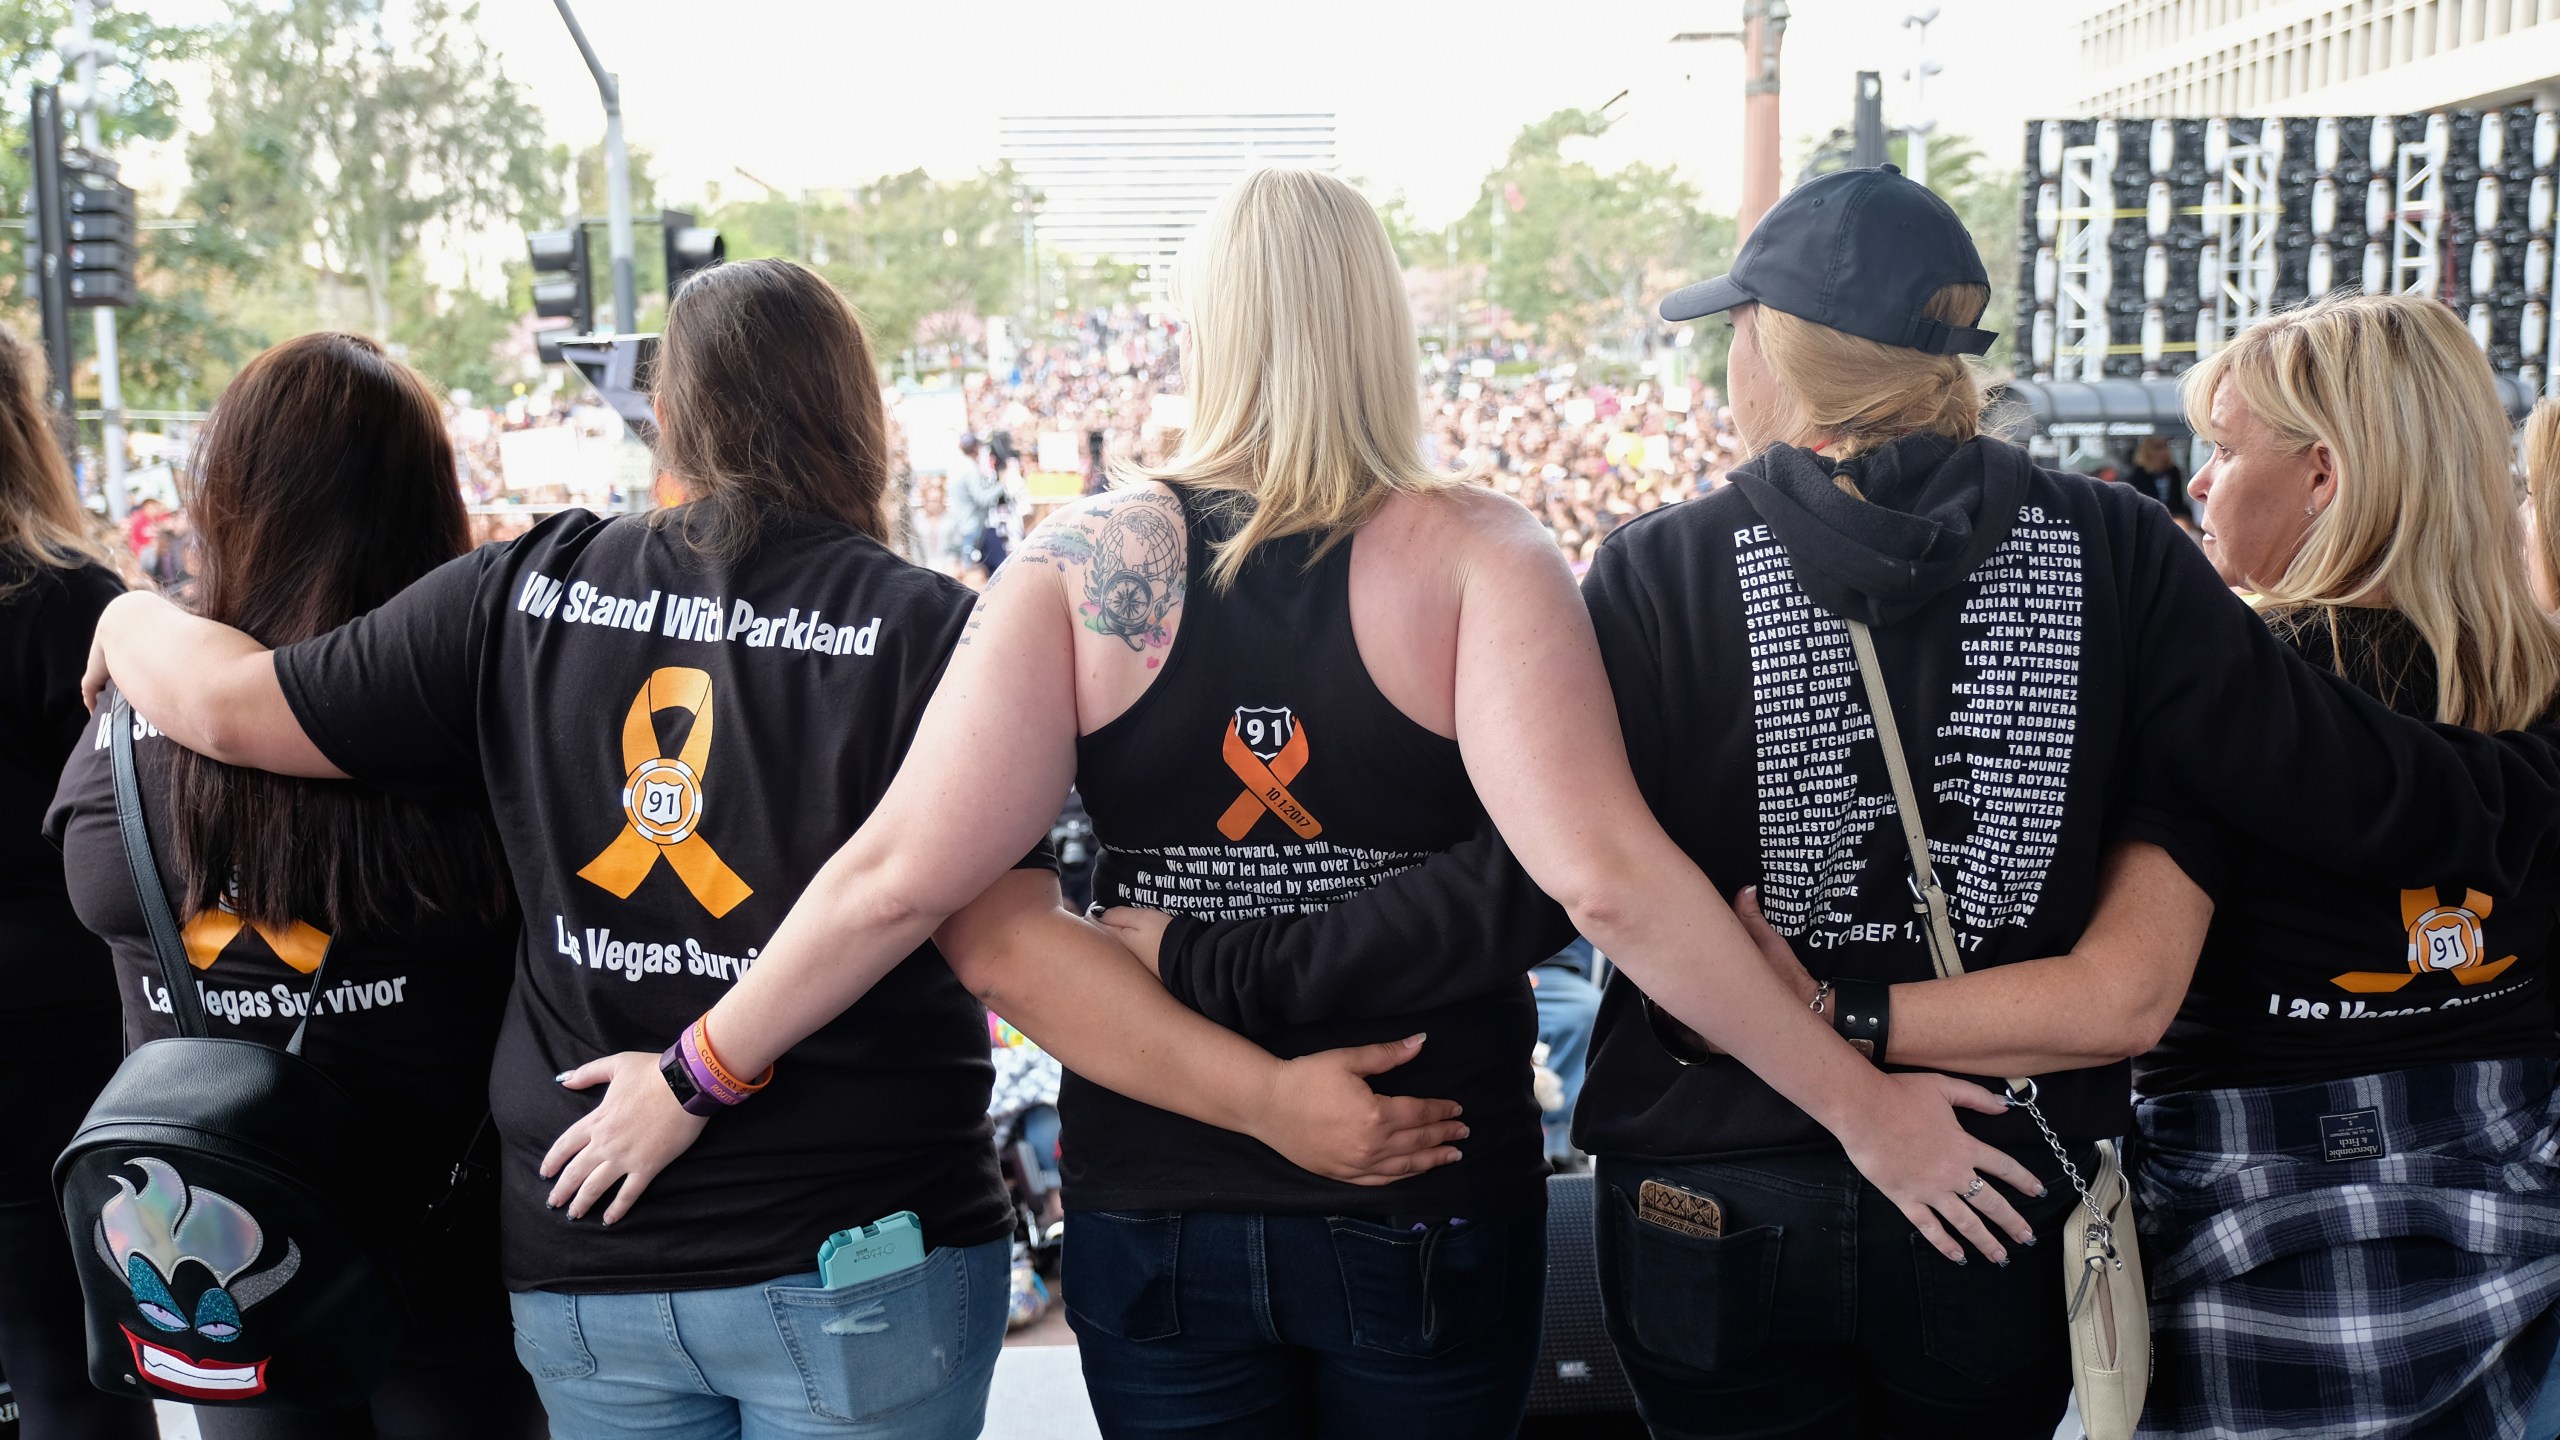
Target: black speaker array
(2336, 183)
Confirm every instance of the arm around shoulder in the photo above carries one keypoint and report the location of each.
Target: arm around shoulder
(205, 685)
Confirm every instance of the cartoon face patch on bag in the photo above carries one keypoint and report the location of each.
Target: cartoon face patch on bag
(187, 1254)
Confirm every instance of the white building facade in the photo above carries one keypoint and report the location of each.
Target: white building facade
(2316, 57)
(1130, 187)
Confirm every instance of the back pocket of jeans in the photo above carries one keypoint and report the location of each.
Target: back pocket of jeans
(1120, 1272)
(868, 1351)
(548, 1342)
(1986, 1322)
(1424, 1292)
(1699, 1301)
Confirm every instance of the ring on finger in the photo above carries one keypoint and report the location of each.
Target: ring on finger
(1975, 1188)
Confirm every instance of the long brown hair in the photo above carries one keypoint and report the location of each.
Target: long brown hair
(323, 486)
(768, 400)
(42, 525)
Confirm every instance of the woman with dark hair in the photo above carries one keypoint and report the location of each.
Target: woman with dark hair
(323, 485)
(575, 677)
(1288, 664)
(55, 993)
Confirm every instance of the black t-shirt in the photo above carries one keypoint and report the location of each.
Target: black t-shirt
(47, 960)
(2085, 666)
(404, 1020)
(673, 747)
(2309, 975)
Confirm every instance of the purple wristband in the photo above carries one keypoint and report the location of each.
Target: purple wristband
(697, 1090)
(706, 1077)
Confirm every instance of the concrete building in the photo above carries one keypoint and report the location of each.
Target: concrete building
(1129, 187)
(2315, 57)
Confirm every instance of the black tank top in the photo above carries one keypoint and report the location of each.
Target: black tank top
(1263, 773)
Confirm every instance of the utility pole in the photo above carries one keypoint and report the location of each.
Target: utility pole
(45, 230)
(82, 50)
(1764, 28)
(1920, 121)
(1866, 114)
(617, 179)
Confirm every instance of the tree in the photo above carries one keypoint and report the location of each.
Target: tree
(174, 337)
(1580, 257)
(924, 247)
(903, 248)
(346, 131)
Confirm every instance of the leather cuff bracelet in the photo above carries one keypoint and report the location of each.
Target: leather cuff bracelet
(1862, 1011)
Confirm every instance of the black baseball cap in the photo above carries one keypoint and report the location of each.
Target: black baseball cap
(1861, 251)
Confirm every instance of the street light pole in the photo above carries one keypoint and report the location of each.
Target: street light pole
(1921, 122)
(617, 179)
(84, 52)
(1764, 27)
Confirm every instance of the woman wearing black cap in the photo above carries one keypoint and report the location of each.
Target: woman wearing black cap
(1297, 662)
(2052, 649)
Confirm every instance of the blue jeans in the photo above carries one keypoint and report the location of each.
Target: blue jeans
(1244, 1327)
(1568, 1013)
(2544, 1423)
(904, 1357)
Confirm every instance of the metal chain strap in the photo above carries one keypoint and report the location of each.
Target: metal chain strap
(2070, 1172)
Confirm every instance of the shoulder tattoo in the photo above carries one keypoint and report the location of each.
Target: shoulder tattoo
(1134, 560)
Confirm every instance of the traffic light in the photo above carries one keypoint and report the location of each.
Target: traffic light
(99, 251)
(563, 287)
(691, 248)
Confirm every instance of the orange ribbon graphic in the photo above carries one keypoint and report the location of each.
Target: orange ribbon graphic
(212, 932)
(2443, 939)
(662, 800)
(1266, 787)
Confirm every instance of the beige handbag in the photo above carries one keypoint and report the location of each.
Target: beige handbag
(2108, 1308)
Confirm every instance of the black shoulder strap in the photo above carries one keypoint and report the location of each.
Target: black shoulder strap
(172, 953)
(166, 943)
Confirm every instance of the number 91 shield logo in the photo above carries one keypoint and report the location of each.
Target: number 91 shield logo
(663, 798)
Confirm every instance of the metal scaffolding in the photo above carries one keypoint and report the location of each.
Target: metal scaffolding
(2086, 273)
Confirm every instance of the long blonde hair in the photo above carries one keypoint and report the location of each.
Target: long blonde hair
(1864, 394)
(2542, 480)
(1301, 361)
(2423, 518)
(42, 524)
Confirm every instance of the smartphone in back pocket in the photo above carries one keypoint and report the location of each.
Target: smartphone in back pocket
(1684, 1212)
(883, 1247)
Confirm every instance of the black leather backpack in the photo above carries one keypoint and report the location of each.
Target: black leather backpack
(228, 1225)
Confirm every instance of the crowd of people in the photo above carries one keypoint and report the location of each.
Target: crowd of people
(680, 837)
(1584, 456)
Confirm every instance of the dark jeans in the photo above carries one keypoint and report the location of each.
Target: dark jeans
(55, 1063)
(1201, 1323)
(1821, 1312)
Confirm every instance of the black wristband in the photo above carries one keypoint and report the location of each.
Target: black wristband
(1862, 1011)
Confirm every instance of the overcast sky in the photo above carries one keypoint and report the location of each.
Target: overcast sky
(825, 93)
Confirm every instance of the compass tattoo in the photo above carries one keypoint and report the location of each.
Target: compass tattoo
(1135, 575)
(1134, 565)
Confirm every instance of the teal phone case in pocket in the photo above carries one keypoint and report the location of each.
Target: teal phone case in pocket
(883, 1247)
